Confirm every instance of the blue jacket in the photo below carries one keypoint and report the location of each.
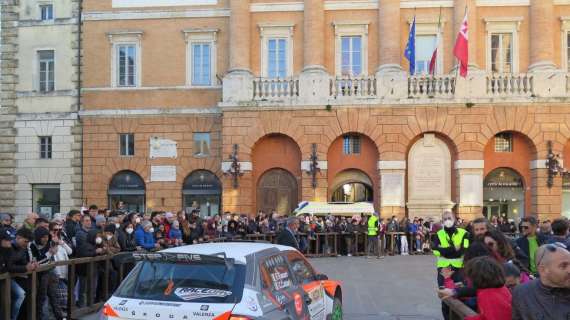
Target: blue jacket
(144, 239)
(175, 234)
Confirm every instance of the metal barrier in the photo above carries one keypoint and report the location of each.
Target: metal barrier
(458, 310)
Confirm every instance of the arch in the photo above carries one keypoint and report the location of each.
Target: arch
(523, 151)
(275, 151)
(504, 194)
(566, 182)
(129, 188)
(430, 176)
(340, 158)
(352, 185)
(277, 189)
(202, 190)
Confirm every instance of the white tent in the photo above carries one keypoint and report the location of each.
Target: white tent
(335, 209)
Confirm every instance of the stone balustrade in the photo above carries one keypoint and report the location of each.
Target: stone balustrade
(396, 87)
(428, 86)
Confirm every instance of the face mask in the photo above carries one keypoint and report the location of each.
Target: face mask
(98, 240)
(129, 230)
(117, 225)
(448, 223)
(138, 220)
(151, 230)
(109, 237)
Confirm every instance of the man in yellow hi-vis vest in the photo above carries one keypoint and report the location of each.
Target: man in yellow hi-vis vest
(373, 230)
(449, 246)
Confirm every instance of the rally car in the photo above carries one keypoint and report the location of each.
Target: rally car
(225, 281)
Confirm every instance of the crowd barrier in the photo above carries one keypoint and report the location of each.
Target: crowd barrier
(458, 310)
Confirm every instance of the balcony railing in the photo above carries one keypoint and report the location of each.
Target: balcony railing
(346, 86)
(510, 85)
(427, 86)
(272, 89)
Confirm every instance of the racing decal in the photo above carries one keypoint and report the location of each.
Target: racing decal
(188, 294)
(251, 304)
(162, 304)
(280, 279)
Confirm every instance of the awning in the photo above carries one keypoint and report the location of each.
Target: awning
(335, 209)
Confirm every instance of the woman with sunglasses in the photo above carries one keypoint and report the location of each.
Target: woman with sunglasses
(502, 251)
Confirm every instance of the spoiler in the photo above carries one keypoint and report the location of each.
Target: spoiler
(188, 258)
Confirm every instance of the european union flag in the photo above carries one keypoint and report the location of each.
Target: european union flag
(410, 52)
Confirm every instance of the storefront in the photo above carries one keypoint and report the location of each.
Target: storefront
(202, 190)
(566, 197)
(127, 192)
(503, 194)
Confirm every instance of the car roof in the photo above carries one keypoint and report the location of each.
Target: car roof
(236, 250)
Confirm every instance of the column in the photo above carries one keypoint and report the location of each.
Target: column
(541, 30)
(458, 15)
(546, 203)
(392, 188)
(389, 31)
(314, 80)
(470, 181)
(238, 84)
(314, 34)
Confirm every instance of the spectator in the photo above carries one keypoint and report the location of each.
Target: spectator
(111, 243)
(6, 224)
(144, 236)
(560, 232)
(546, 228)
(479, 227)
(90, 247)
(42, 222)
(493, 297)
(287, 237)
(72, 224)
(100, 222)
(20, 263)
(126, 237)
(512, 275)
(175, 235)
(30, 221)
(93, 212)
(5, 253)
(81, 234)
(530, 241)
(546, 297)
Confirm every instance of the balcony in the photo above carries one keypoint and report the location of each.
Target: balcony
(396, 88)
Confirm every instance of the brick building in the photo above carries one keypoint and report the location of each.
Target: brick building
(177, 94)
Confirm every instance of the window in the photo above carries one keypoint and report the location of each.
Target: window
(502, 52)
(504, 142)
(201, 64)
(567, 51)
(46, 12)
(46, 65)
(201, 143)
(126, 65)
(275, 273)
(277, 58)
(351, 55)
(425, 45)
(127, 144)
(351, 144)
(201, 57)
(45, 147)
(45, 198)
(301, 268)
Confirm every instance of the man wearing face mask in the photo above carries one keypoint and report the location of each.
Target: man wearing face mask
(449, 247)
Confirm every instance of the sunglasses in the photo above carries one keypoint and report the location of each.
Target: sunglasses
(525, 227)
(550, 248)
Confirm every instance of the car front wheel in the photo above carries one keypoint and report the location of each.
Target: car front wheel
(337, 309)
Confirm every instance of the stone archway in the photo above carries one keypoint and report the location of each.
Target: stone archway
(429, 177)
(352, 185)
(277, 190)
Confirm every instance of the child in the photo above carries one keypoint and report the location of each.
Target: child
(512, 275)
(175, 234)
(494, 300)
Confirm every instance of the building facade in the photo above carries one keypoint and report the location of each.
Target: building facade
(248, 105)
(40, 91)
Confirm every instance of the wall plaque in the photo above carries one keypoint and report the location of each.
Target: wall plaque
(392, 190)
(162, 173)
(162, 148)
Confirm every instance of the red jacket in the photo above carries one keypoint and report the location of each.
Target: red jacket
(493, 304)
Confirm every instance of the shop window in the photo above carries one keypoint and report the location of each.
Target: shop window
(202, 190)
(46, 199)
(127, 192)
(504, 142)
(566, 197)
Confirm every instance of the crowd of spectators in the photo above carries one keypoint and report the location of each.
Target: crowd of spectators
(93, 232)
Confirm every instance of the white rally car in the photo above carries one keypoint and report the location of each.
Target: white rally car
(225, 281)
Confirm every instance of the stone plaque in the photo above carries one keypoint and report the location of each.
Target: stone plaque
(471, 189)
(162, 148)
(392, 190)
(163, 173)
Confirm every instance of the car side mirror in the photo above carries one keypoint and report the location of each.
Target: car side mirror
(321, 277)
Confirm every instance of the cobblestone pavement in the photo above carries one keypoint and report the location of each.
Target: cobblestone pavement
(394, 288)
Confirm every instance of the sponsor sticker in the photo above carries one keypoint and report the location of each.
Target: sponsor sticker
(188, 294)
(251, 304)
(164, 304)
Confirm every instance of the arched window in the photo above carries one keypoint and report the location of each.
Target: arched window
(202, 190)
(127, 192)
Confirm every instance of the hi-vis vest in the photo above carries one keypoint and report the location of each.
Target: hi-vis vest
(372, 228)
(444, 242)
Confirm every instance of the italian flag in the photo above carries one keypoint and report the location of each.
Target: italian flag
(433, 61)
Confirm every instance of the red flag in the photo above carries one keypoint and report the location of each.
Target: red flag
(461, 49)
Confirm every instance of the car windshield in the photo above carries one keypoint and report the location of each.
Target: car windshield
(200, 283)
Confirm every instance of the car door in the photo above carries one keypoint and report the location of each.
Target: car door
(305, 276)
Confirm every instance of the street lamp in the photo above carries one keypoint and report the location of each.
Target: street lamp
(553, 166)
(314, 165)
(235, 169)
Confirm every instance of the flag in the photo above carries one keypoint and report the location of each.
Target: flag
(461, 49)
(433, 61)
(410, 52)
